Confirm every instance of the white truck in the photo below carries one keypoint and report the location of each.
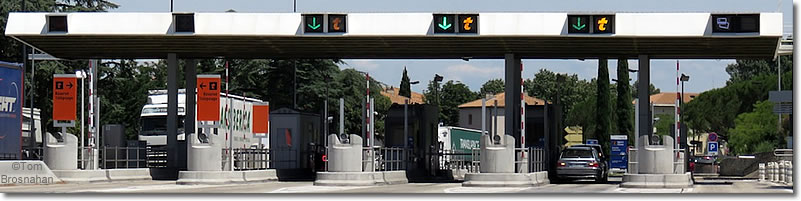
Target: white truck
(153, 119)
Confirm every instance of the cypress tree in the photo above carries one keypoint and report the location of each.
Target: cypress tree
(603, 106)
(625, 122)
(405, 87)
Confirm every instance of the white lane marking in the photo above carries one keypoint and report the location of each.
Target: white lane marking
(312, 189)
(483, 189)
(652, 190)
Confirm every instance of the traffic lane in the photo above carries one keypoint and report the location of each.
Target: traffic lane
(261, 187)
(406, 188)
(577, 186)
(68, 188)
(738, 186)
(611, 180)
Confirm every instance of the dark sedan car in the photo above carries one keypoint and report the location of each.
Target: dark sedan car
(581, 162)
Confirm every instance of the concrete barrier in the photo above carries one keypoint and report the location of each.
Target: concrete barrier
(259, 175)
(772, 170)
(24, 172)
(81, 176)
(348, 178)
(657, 181)
(780, 167)
(395, 177)
(788, 178)
(61, 155)
(505, 179)
(128, 174)
(210, 177)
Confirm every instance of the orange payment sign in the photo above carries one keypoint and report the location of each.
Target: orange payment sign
(261, 118)
(65, 88)
(208, 97)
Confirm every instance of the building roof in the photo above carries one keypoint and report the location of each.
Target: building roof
(392, 93)
(669, 98)
(501, 97)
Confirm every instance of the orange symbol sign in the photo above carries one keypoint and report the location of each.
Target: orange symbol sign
(261, 118)
(467, 22)
(208, 97)
(602, 24)
(64, 100)
(336, 23)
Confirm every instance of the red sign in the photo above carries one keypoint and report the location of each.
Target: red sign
(65, 88)
(713, 137)
(208, 97)
(261, 118)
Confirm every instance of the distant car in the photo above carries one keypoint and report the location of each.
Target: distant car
(598, 149)
(704, 160)
(582, 162)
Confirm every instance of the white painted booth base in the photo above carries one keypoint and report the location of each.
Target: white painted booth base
(226, 177)
(506, 179)
(360, 178)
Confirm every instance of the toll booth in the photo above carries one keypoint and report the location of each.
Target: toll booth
(296, 143)
(421, 139)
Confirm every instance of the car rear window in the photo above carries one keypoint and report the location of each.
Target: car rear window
(577, 153)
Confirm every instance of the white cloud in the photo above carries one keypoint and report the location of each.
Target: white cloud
(474, 70)
(363, 64)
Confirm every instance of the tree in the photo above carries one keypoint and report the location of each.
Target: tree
(454, 93)
(635, 88)
(571, 91)
(354, 90)
(665, 125)
(603, 105)
(10, 49)
(746, 69)
(405, 85)
(624, 109)
(716, 110)
(492, 87)
(755, 131)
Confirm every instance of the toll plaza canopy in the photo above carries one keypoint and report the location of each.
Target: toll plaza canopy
(399, 35)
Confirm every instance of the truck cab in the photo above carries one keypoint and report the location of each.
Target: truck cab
(153, 119)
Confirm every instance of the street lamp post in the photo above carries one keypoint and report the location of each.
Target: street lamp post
(405, 139)
(683, 78)
(82, 75)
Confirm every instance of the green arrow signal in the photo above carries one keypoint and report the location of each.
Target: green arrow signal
(578, 25)
(314, 24)
(444, 26)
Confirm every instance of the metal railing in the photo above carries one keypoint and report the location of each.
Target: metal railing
(122, 157)
(537, 159)
(633, 167)
(385, 159)
(535, 162)
(249, 159)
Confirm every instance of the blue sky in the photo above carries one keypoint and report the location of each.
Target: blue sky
(704, 74)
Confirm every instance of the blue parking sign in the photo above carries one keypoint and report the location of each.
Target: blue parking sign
(712, 147)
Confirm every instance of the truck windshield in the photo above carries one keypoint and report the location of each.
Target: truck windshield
(577, 153)
(157, 125)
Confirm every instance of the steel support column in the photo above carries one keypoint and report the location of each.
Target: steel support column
(172, 111)
(512, 92)
(643, 97)
(190, 77)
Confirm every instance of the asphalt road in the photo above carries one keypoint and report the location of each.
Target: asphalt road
(701, 186)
